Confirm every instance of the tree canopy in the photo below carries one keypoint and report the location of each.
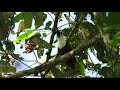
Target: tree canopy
(99, 36)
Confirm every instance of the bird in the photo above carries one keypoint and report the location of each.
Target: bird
(63, 47)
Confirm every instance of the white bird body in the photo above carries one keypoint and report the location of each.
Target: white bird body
(61, 42)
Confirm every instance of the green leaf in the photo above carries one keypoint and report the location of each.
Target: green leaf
(27, 16)
(48, 24)
(11, 69)
(28, 19)
(1, 76)
(111, 27)
(7, 69)
(39, 18)
(40, 52)
(21, 27)
(81, 66)
(25, 36)
(116, 40)
(9, 45)
(18, 17)
(16, 56)
(43, 44)
(44, 34)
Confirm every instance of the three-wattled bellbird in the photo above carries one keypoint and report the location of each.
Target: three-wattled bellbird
(63, 48)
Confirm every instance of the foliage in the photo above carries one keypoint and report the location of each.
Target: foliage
(106, 24)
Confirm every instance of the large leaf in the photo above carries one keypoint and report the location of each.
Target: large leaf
(25, 36)
(44, 44)
(27, 16)
(28, 19)
(116, 40)
(18, 17)
(39, 18)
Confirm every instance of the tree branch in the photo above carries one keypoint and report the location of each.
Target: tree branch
(65, 57)
(53, 34)
(51, 40)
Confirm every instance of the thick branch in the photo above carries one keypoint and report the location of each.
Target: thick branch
(64, 57)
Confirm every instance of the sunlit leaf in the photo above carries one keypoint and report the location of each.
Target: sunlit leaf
(25, 36)
(81, 66)
(18, 17)
(116, 40)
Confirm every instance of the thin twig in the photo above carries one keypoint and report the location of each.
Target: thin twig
(71, 16)
(28, 60)
(51, 16)
(31, 65)
(35, 57)
(63, 25)
(89, 57)
(25, 64)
